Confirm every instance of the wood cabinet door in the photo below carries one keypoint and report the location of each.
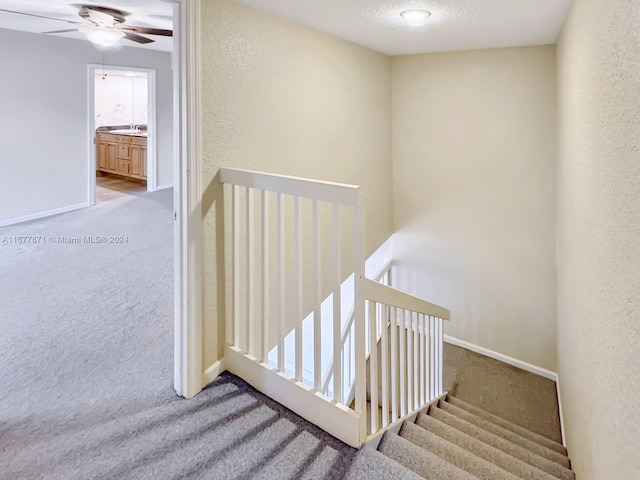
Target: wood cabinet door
(112, 157)
(124, 167)
(102, 156)
(143, 157)
(124, 151)
(136, 161)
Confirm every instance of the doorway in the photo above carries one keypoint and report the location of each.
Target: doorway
(187, 151)
(122, 131)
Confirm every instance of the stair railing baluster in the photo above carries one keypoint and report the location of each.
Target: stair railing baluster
(337, 310)
(298, 282)
(384, 343)
(317, 290)
(281, 310)
(266, 314)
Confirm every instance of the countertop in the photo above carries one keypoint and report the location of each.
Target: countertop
(123, 131)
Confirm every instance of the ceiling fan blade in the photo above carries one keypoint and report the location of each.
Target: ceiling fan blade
(63, 31)
(146, 30)
(101, 18)
(40, 16)
(137, 38)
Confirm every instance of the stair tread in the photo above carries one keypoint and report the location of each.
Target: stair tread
(505, 433)
(533, 436)
(481, 449)
(506, 446)
(454, 454)
(421, 461)
(369, 463)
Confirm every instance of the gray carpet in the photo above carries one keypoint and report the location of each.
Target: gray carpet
(86, 368)
(87, 325)
(229, 431)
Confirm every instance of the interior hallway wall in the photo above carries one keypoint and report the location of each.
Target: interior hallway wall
(474, 164)
(282, 98)
(43, 128)
(599, 237)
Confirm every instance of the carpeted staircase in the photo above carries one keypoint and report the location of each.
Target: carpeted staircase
(455, 440)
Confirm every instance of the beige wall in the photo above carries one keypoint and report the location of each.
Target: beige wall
(599, 237)
(474, 145)
(282, 98)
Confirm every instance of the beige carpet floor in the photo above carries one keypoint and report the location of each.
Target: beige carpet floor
(521, 397)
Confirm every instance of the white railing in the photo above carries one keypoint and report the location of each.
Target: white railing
(405, 362)
(300, 327)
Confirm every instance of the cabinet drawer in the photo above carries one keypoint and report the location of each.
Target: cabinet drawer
(124, 139)
(124, 167)
(124, 151)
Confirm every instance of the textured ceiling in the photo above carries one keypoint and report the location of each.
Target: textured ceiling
(453, 25)
(144, 13)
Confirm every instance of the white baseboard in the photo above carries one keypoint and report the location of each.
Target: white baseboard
(543, 372)
(212, 372)
(164, 187)
(48, 213)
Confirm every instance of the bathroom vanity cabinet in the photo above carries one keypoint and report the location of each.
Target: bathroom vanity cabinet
(122, 154)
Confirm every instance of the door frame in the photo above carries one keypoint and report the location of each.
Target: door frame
(152, 121)
(188, 251)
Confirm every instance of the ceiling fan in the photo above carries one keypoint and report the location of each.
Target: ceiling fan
(105, 26)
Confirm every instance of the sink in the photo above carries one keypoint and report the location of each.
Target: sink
(128, 131)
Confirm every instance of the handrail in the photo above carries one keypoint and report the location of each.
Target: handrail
(396, 298)
(340, 193)
(410, 370)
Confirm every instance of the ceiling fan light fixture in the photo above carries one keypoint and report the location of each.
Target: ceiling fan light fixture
(102, 36)
(415, 17)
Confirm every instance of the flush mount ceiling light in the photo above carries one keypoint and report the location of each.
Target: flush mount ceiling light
(102, 36)
(415, 17)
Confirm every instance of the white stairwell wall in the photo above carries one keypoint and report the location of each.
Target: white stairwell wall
(599, 236)
(474, 193)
